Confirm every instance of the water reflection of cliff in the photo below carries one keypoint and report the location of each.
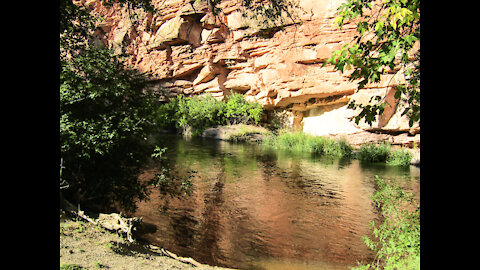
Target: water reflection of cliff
(254, 209)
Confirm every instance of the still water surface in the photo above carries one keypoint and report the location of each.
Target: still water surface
(254, 208)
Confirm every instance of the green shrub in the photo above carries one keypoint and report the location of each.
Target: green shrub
(396, 241)
(165, 115)
(345, 148)
(198, 113)
(240, 111)
(192, 115)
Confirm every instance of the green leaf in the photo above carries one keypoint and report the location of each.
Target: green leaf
(410, 38)
(405, 12)
(379, 26)
(338, 21)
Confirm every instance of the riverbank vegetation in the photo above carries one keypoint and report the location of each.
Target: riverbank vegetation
(192, 115)
(106, 118)
(299, 141)
(369, 153)
(383, 152)
(396, 241)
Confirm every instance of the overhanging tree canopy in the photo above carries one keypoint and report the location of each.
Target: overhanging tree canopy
(388, 33)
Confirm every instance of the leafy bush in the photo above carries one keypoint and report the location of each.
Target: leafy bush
(339, 148)
(192, 115)
(198, 113)
(397, 240)
(165, 115)
(240, 111)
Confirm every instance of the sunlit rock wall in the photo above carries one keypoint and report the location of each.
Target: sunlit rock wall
(187, 50)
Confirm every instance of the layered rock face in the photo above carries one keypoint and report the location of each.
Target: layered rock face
(188, 50)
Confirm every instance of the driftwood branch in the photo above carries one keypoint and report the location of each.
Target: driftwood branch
(115, 222)
(181, 259)
(172, 255)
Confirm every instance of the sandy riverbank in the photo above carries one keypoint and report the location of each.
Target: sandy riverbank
(86, 246)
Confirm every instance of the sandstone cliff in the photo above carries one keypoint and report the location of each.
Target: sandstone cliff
(186, 49)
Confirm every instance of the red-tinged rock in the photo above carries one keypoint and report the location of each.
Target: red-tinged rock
(278, 64)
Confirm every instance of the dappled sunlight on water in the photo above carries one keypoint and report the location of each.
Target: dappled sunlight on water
(262, 209)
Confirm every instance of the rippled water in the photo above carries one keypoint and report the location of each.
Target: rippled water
(263, 209)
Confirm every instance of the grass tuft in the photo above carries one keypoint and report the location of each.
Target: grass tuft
(383, 152)
(301, 142)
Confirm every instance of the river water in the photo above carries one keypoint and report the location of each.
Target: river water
(257, 208)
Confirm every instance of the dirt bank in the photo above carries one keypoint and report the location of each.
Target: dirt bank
(236, 133)
(86, 246)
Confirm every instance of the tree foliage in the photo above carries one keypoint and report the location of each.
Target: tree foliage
(105, 116)
(387, 33)
(271, 11)
(76, 25)
(104, 120)
(105, 99)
